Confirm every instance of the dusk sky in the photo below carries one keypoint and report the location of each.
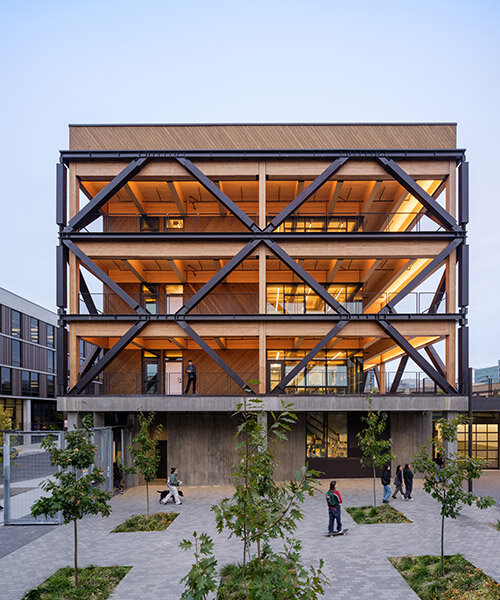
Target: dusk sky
(175, 62)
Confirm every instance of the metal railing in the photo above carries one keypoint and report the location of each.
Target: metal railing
(174, 223)
(248, 303)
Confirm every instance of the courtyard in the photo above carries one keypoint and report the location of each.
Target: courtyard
(357, 564)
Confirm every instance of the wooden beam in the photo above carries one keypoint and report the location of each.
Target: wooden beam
(335, 265)
(368, 272)
(371, 197)
(178, 269)
(136, 268)
(135, 198)
(297, 343)
(333, 196)
(178, 343)
(176, 195)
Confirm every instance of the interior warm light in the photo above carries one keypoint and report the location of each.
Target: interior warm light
(411, 206)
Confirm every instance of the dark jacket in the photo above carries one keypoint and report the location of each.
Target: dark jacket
(408, 477)
(398, 480)
(191, 371)
(386, 477)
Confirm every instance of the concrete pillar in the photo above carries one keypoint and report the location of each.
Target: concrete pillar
(27, 420)
(74, 420)
(409, 432)
(450, 447)
(98, 419)
(130, 430)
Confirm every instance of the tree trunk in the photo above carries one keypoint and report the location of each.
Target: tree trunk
(75, 547)
(147, 498)
(374, 482)
(442, 545)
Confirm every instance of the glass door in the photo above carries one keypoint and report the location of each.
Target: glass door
(275, 373)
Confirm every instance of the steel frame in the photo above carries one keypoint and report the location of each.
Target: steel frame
(453, 232)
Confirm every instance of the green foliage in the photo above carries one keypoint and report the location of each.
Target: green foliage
(73, 490)
(157, 522)
(445, 483)
(202, 577)
(461, 580)
(5, 423)
(261, 509)
(96, 583)
(367, 515)
(280, 575)
(144, 450)
(376, 451)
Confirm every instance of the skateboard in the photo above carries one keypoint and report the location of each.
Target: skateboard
(336, 533)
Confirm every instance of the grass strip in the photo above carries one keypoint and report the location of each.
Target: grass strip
(461, 581)
(94, 583)
(155, 522)
(367, 515)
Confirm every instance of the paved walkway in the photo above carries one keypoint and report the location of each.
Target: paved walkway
(356, 564)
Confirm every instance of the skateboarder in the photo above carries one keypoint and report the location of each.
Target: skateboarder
(334, 500)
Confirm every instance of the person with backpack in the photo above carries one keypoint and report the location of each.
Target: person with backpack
(334, 500)
(398, 482)
(386, 482)
(408, 479)
(173, 483)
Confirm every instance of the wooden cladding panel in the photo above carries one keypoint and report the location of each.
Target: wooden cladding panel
(123, 375)
(256, 137)
(234, 298)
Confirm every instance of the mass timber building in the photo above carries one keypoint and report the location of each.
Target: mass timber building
(323, 264)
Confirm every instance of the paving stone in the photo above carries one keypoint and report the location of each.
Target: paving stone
(357, 564)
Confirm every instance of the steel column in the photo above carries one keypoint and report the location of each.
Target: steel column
(463, 193)
(106, 279)
(309, 356)
(306, 278)
(61, 189)
(463, 276)
(418, 279)
(215, 357)
(310, 190)
(463, 359)
(61, 359)
(420, 194)
(110, 355)
(417, 358)
(210, 186)
(88, 213)
(399, 374)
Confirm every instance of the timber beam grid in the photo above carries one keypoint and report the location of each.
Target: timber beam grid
(258, 236)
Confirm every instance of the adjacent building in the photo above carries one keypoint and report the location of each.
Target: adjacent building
(487, 374)
(27, 363)
(293, 262)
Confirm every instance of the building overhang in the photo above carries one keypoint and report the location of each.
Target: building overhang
(347, 402)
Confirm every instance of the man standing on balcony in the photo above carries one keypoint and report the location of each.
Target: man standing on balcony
(191, 375)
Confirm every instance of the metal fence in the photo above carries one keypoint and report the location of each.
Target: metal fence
(26, 467)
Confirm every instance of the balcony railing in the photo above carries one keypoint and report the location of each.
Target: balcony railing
(297, 223)
(247, 303)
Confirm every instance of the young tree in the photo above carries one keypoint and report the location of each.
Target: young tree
(144, 451)
(376, 450)
(73, 493)
(444, 480)
(5, 423)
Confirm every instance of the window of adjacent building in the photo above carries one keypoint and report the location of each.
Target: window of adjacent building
(51, 361)
(326, 435)
(34, 330)
(16, 353)
(51, 386)
(5, 381)
(15, 323)
(51, 336)
(30, 383)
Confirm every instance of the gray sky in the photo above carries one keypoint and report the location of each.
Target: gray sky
(273, 61)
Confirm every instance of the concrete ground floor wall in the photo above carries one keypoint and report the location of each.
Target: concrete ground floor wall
(203, 447)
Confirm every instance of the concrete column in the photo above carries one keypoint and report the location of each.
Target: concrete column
(74, 420)
(27, 420)
(409, 432)
(130, 431)
(98, 419)
(450, 447)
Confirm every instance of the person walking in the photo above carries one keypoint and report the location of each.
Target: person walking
(408, 479)
(398, 483)
(334, 500)
(386, 482)
(191, 375)
(173, 483)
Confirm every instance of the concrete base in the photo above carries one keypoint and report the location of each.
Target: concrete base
(409, 432)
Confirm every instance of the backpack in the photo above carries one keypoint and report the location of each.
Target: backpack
(332, 499)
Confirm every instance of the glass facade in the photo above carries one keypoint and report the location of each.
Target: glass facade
(15, 323)
(485, 442)
(330, 372)
(326, 435)
(299, 299)
(51, 342)
(14, 409)
(6, 381)
(16, 353)
(34, 330)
